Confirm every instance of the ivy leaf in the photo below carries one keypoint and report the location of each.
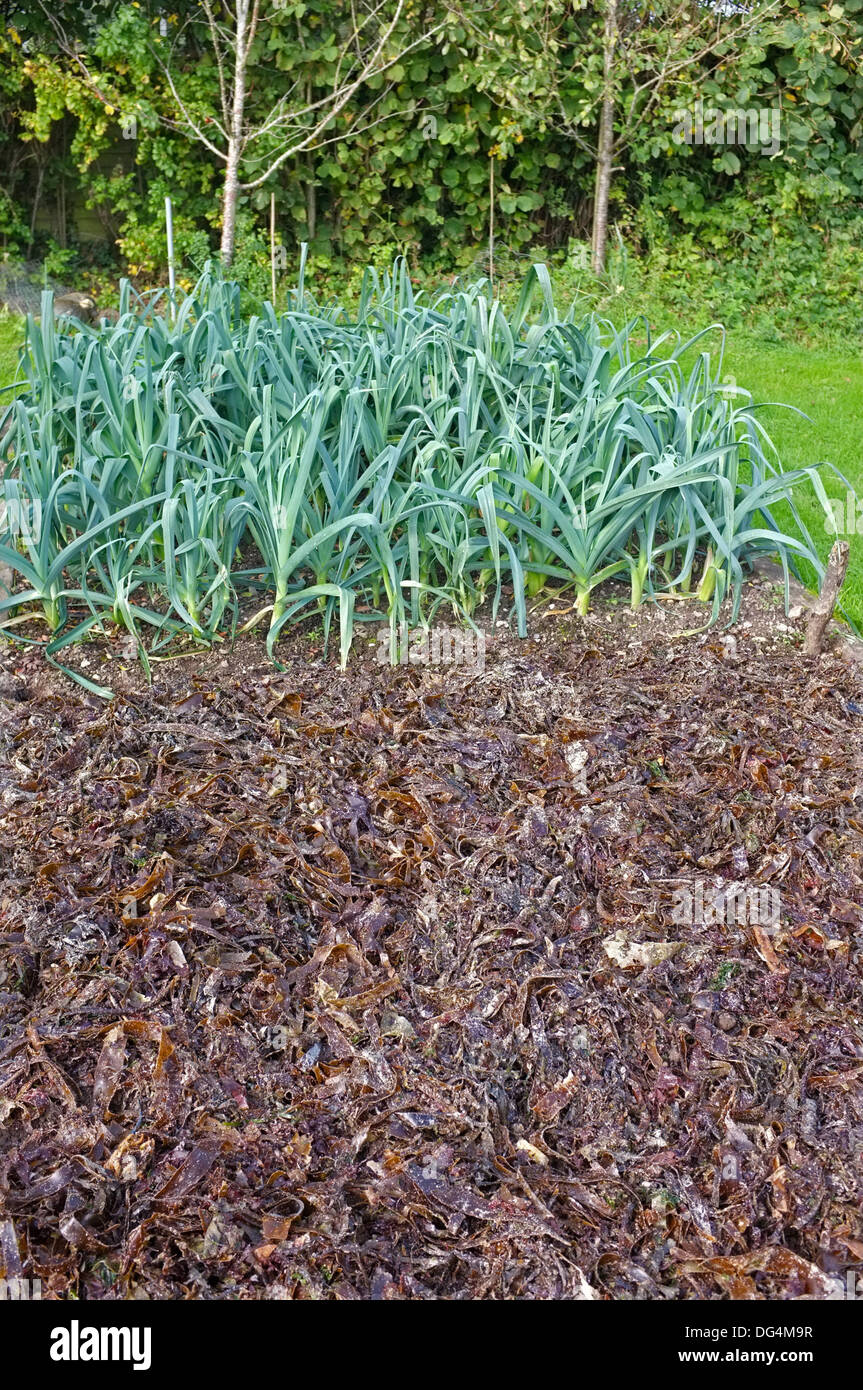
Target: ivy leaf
(729, 163)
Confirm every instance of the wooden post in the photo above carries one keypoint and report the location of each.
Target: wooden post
(273, 244)
(169, 230)
(822, 609)
(491, 222)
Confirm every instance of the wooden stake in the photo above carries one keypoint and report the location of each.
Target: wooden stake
(491, 222)
(273, 244)
(169, 232)
(822, 609)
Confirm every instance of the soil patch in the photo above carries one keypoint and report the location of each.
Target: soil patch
(539, 980)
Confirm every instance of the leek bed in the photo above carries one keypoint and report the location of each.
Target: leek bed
(373, 468)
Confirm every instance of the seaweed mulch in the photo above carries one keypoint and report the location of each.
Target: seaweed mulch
(374, 984)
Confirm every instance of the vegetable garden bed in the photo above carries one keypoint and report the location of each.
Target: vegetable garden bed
(187, 475)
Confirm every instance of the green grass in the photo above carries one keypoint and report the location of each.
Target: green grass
(828, 386)
(11, 338)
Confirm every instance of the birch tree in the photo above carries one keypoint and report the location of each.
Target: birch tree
(252, 146)
(256, 119)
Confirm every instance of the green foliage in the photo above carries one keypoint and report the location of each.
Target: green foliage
(794, 283)
(415, 176)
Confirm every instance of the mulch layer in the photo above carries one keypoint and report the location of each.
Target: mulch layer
(375, 985)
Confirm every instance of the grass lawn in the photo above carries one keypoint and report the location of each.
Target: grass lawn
(824, 383)
(11, 334)
(828, 386)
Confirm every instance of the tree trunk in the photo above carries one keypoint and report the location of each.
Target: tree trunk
(822, 608)
(235, 135)
(605, 144)
(229, 202)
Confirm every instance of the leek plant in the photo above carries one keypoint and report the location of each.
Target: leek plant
(422, 454)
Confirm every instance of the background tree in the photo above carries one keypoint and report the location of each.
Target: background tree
(249, 128)
(253, 143)
(405, 164)
(600, 73)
